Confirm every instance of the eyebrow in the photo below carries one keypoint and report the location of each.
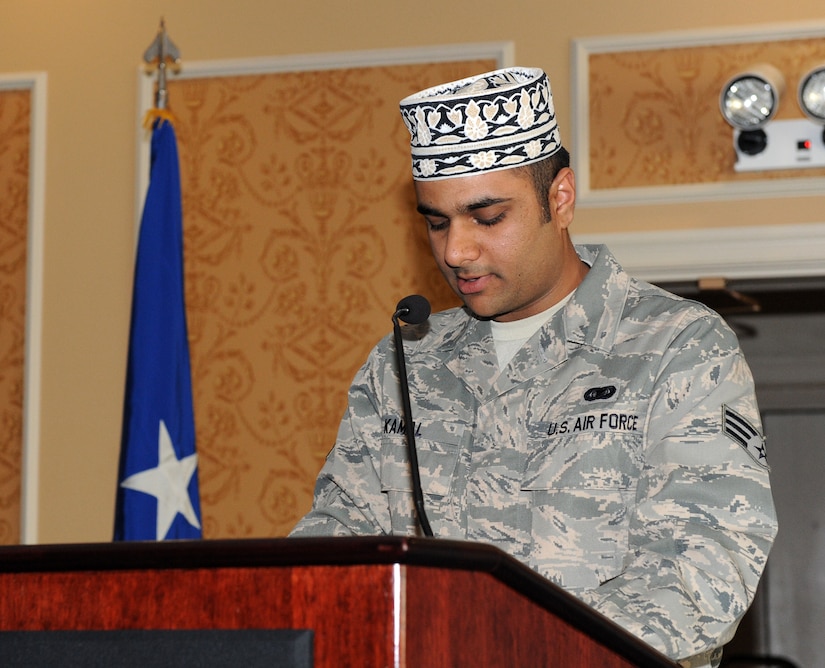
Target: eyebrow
(482, 203)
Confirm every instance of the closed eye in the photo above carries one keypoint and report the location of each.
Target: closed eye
(437, 225)
(488, 222)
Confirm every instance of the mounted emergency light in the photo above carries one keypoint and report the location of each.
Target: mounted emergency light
(750, 100)
(812, 94)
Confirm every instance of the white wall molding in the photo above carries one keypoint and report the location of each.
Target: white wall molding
(731, 252)
(503, 52)
(29, 508)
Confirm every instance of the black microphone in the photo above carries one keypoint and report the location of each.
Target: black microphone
(413, 310)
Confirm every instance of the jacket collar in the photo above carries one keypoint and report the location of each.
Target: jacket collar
(593, 315)
(591, 318)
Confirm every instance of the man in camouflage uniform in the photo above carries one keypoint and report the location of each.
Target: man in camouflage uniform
(595, 427)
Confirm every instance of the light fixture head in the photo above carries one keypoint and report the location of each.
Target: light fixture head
(811, 94)
(750, 99)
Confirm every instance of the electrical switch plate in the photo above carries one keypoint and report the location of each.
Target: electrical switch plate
(791, 144)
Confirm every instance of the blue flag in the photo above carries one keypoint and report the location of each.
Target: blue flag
(157, 496)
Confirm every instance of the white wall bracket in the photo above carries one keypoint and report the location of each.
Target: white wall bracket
(790, 144)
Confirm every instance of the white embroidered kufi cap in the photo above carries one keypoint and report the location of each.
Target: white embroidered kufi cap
(492, 121)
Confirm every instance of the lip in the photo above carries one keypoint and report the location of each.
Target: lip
(472, 285)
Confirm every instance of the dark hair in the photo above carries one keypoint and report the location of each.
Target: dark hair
(542, 174)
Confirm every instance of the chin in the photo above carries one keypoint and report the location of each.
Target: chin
(480, 313)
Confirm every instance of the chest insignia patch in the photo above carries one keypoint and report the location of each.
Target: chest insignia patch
(600, 393)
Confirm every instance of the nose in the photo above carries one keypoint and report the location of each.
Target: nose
(461, 246)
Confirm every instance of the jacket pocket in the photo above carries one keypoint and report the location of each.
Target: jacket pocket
(582, 489)
(437, 446)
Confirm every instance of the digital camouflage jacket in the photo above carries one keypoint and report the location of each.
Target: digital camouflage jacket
(619, 454)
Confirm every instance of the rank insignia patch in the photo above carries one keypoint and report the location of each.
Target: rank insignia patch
(738, 429)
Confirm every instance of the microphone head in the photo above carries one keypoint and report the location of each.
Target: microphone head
(413, 309)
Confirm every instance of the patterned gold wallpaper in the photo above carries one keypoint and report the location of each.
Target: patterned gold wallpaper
(654, 115)
(15, 106)
(300, 237)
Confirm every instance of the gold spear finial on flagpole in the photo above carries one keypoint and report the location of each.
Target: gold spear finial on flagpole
(161, 56)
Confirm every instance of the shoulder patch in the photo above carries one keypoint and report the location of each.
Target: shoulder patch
(741, 431)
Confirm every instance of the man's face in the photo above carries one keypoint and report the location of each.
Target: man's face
(491, 241)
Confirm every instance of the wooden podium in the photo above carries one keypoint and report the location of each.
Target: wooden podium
(366, 602)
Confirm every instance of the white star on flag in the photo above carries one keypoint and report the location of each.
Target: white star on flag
(168, 483)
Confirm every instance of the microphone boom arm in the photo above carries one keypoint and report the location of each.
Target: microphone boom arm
(409, 427)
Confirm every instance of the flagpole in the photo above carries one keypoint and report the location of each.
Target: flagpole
(158, 493)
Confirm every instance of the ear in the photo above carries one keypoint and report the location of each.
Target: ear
(562, 197)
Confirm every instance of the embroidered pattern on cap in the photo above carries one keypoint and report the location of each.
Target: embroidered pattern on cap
(497, 120)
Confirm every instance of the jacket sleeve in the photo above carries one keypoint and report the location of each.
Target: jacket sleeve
(348, 499)
(704, 518)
